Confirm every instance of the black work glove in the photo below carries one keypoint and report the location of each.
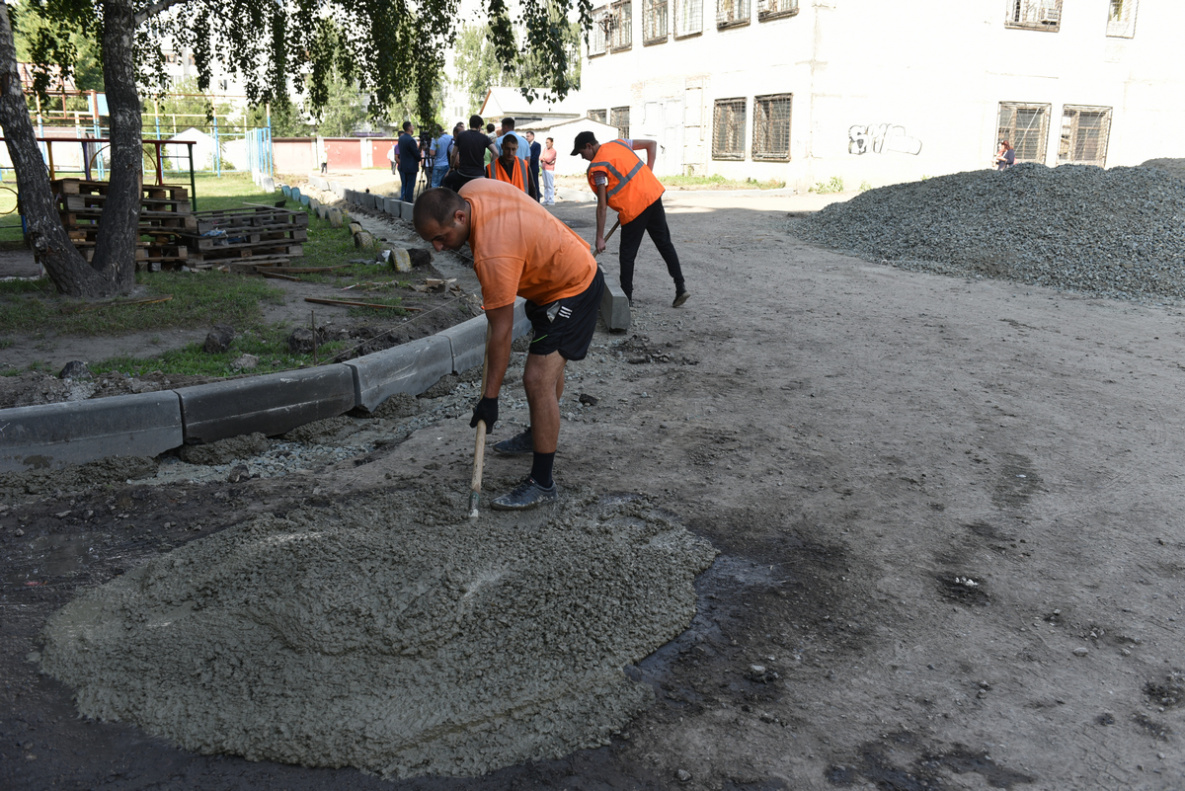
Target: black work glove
(487, 410)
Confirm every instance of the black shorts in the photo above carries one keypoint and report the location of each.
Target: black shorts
(567, 325)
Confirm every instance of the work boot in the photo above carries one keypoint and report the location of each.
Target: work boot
(517, 445)
(527, 494)
(680, 298)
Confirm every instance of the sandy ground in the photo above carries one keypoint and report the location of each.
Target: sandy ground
(949, 512)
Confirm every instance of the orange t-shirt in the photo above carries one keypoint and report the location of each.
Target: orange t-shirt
(520, 248)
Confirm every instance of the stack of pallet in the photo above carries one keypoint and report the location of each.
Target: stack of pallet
(246, 239)
(165, 216)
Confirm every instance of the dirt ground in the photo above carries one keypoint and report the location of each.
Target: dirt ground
(950, 513)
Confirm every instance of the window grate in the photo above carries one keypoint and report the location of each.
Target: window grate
(600, 116)
(728, 129)
(598, 33)
(1121, 19)
(1034, 14)
(776, 9)
(620, 117)
(621, 31)
(771, 127)
(1085, 131)
(689, 17)
(1026, 126)
(732, 13)
(654, 21)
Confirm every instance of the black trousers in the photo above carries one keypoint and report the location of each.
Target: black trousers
(654, 222)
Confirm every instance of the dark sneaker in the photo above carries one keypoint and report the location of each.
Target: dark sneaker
(516, 445)
(680, 298)
(527, 494)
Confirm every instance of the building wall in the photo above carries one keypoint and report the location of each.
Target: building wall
(295, 155)
(887, 92)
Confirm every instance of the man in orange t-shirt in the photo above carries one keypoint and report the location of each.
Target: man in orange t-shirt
(520, 249)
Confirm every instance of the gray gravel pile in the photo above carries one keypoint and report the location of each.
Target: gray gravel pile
(392, 634)
(1113, 233)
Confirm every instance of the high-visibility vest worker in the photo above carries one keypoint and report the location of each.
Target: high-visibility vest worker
(517, 175)
(623, 182)
(632, 186)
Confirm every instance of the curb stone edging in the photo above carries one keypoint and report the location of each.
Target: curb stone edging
(148, 424)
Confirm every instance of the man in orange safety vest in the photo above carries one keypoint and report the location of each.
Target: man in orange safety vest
(622, 182)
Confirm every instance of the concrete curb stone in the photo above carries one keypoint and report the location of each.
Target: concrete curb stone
(272, 403)
(75, 432)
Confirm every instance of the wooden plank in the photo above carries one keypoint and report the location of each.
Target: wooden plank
(347, 303)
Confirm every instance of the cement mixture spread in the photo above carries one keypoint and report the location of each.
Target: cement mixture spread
(393, 635)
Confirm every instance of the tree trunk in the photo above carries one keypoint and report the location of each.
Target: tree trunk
(46, 234)
(119, 230)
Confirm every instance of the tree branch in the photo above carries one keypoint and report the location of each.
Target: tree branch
(156, 8)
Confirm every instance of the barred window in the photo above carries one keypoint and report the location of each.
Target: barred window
(1121, 19)
(600, 116)
(728, 129)
(1026, 126)
(597, 33)
(621, 30)
(620, 117)
(1034, 14)
(1084, 135)
(654, 21)
(776, 9)
(771, 127)
(689, 17)
(732, 13)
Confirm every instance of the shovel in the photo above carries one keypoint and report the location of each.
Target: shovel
(479, 450)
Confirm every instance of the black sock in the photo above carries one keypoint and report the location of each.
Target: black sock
(541, 469)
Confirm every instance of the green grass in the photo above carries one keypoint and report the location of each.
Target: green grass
(718, 182)
(269, 344)
(834, 185)
(199, 299)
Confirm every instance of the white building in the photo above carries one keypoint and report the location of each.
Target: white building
(874, 92)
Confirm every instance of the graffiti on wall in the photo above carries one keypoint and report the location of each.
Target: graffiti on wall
(880, 139)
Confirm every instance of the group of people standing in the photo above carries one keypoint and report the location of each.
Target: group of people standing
(452, 159)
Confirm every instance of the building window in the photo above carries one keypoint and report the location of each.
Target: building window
(1084, 135)
(775, 9)
(600, 116)
(654, 21)
(732, 13)
(1026, 126)
(771, 127)
(689, 17)
(620, 117)
(621, 31)
(1121, 18)
(1034, 14)
(598, 33)
(728, 129)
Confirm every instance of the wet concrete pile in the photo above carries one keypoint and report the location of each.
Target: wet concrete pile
(1116, 233)
(390, 634)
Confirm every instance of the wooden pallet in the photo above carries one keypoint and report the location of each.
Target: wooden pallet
(249, 254)
(226, 219)
(152, 191)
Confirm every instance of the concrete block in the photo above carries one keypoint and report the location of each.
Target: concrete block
(615, 307)
(319, 183)
(296, 196)
(315, 206)
(335, 217)
(304, 200)
(393, 207)
(411, 368)
(364, 240)
(406, 210)
(286, 190)
(268, 183)
(337, 189)
(75, 432)
(273, 403)
(467, 340)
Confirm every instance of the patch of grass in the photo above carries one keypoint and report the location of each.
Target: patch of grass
(834, 185)
(865, 186)
(41, 285)
(718, 182)
(199, 299)
(269, 344)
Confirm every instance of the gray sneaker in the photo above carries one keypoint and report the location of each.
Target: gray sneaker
(527, 494)
(516, 445)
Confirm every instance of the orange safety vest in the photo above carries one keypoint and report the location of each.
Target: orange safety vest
(517, 178)
(632, 186)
